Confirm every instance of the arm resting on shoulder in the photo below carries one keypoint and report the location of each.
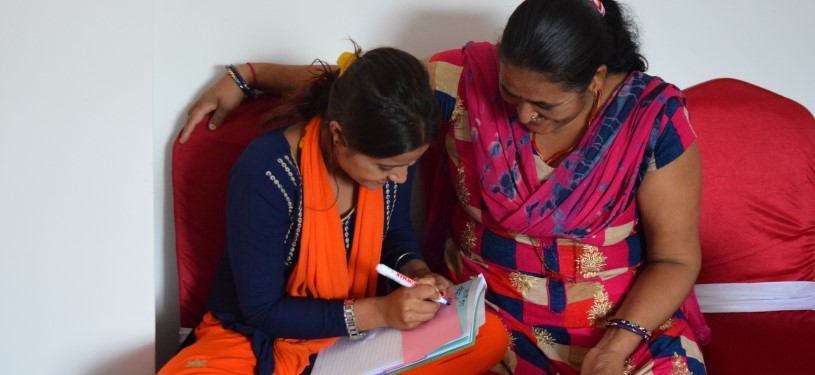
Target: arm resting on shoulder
(225, 96)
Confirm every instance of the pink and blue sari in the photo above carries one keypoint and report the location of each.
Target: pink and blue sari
(560, 246)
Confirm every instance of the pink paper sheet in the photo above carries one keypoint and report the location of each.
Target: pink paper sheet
(429, 336)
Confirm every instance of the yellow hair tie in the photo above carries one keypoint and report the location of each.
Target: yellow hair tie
(345, 60)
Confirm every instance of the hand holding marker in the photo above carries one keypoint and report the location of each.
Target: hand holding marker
(402, 280)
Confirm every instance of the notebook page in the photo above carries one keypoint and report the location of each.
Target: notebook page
(382, 348)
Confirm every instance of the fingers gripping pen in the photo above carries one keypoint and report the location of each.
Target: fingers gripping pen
(402, 279)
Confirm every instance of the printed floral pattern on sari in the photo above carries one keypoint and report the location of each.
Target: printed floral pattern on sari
(591, 261)
(601, 307)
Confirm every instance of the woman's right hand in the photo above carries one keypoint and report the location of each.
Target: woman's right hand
(221, 98)
(404, 308)
(602, 361)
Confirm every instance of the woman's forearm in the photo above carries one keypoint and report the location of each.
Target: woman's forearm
(278, 78)
(658, 292)
(668, 201)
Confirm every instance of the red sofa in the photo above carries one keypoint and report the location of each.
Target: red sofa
(757, 229)
(757, 283)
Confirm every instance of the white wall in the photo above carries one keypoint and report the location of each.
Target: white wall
(76, 187)
(767, 43)
(93, 92)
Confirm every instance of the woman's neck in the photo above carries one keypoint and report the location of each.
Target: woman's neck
(345, 190)
(343, 186)
(555, 146)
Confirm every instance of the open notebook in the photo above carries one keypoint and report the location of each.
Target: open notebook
(388, 350)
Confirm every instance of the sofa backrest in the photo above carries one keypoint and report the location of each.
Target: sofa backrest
(758, 195)
(200, 171)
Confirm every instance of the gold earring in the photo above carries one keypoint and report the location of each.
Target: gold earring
(595, 105)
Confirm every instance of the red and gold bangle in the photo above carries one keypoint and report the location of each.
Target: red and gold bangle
(247, 90)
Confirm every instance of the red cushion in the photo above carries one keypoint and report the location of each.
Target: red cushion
(200, 169)
(778, 342)
(758, 195)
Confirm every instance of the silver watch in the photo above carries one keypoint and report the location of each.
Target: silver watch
(351, 320)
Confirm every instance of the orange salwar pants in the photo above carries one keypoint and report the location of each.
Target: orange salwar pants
(221, 351)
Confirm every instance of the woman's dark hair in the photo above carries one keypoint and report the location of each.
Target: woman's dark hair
(382, 101)
(567, 40)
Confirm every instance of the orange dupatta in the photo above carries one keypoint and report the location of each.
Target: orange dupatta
(318, 272)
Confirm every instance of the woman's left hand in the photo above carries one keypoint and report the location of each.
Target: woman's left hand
(419, 271)
(431, 278)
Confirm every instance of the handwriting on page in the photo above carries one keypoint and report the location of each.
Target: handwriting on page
(462, 292)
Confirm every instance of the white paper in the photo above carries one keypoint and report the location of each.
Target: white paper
(383, 348)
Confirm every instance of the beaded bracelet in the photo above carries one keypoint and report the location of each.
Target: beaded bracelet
(630, 327)
(351, 320)
(233, 72)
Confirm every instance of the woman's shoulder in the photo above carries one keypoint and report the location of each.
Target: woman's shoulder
(269, 152)
(446, 69)
(271, 143)
(654, 85)
(456, 56)
(663, 108)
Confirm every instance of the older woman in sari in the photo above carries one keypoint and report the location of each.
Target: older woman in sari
(578, 190)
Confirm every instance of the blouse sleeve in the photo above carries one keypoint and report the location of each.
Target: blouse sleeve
(675, 131)
(259, 205)
(445, 72)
